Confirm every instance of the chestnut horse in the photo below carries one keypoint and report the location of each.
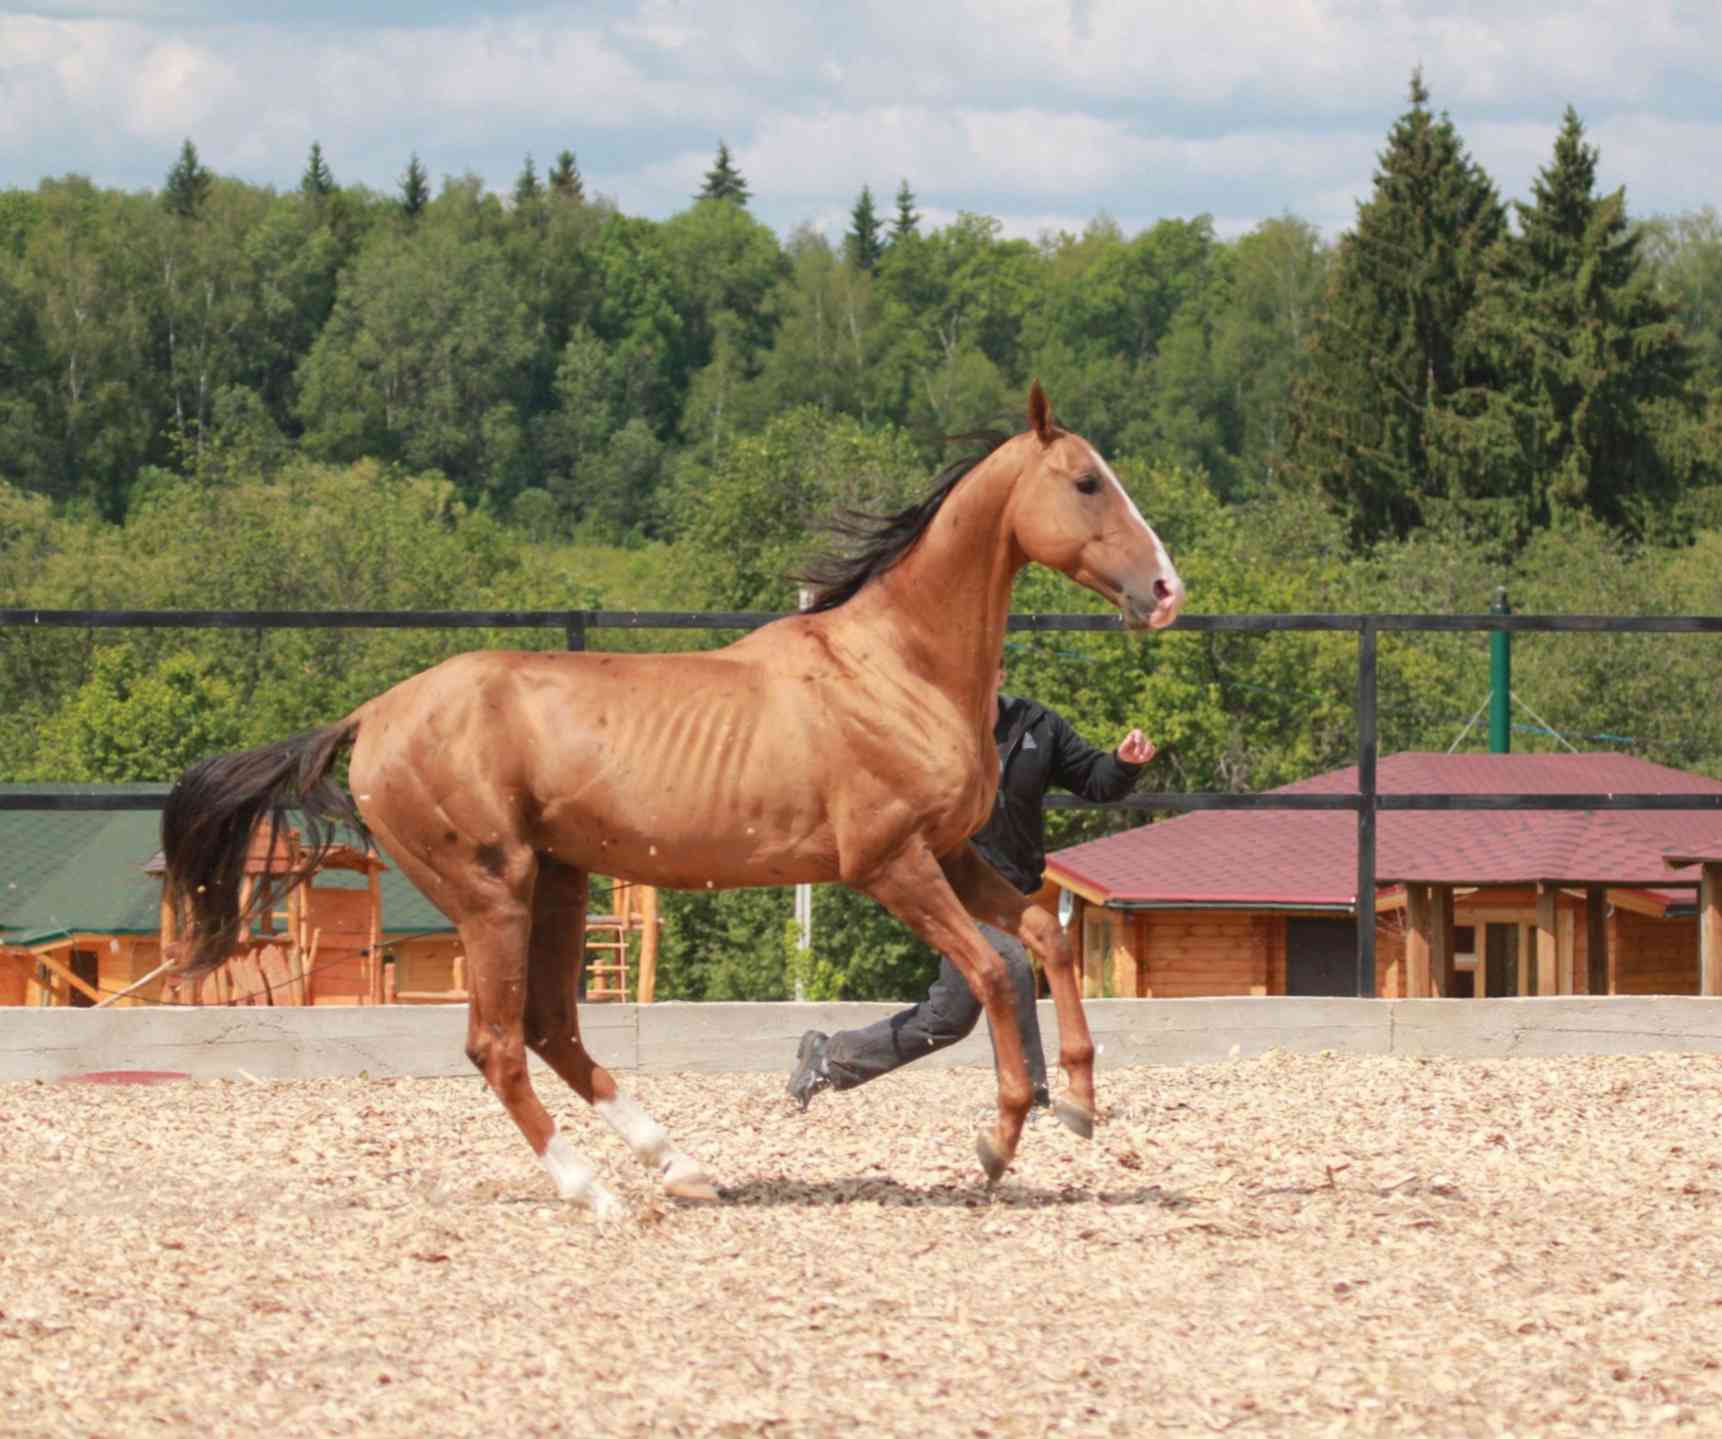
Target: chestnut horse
(851, 743)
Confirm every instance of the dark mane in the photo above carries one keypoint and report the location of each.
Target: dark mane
(869, 544)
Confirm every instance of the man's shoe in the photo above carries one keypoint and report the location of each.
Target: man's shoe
(809, 1075)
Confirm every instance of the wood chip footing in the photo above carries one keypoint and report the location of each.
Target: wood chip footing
(1322, 1246)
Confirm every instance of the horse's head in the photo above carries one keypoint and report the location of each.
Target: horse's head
(1070, 513)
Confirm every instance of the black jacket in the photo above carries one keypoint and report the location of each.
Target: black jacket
(1039, 749)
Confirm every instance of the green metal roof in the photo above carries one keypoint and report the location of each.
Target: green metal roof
(83, 870)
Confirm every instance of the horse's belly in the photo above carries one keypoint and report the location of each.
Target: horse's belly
(693, 826)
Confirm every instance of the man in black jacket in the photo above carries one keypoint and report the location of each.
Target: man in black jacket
(1037, 749)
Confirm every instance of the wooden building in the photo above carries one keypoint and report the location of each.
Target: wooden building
(83, 918)
(1469, 902)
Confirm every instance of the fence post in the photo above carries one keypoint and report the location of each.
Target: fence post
(1366, 747)
(576, 625)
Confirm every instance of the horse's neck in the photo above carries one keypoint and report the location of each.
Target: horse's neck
(943, 607)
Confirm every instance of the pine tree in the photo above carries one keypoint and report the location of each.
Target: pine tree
(907, 218)
(564, 178)
(188, 183)
(1383, 418)
(318, 180)
(863, 244)
(415, 188)
(1587, 349)
(723, 180)
(527, 190)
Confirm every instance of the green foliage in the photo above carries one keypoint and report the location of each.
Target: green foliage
(132, 721)
(864, 244)
(431, 385)
(415, 188)
(723, 181)
(318, 180)
(188, 184)
(743, 524)
(860, 951)
(528, 190)
(725, 944)
(1384, 418)
(564, 179)
(1593, 369)
(907, 220)
(831, 347)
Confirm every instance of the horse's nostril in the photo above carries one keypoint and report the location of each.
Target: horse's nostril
(1162, 590)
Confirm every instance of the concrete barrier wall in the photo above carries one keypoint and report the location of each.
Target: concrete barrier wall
(428, 1040)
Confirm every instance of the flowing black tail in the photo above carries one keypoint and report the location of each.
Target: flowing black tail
(210, 817)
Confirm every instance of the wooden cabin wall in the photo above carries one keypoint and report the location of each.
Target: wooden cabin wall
(16, 968)
(1653, 956)
(424, 965)
(123, 959)
(1390, 959)
(1193, 953)
(343, 916)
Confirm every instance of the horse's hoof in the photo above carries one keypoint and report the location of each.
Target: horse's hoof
(1075, 1118)
(992, 1161)
(695, 1188)
(606, 1207)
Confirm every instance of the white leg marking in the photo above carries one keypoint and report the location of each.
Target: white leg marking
(647, 1138)
(576, 1179)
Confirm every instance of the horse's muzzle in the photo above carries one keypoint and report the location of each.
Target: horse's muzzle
(1156, 609)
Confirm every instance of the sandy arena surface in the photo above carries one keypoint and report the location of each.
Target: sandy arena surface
(1282, 1246)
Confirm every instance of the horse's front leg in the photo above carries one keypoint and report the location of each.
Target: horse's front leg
(913, 887)
(992, 898)
(1045, 936)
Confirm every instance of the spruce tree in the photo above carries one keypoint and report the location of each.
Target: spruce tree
(564, 178)
(415, 188)
(1588, 351)
(527, 190)
(723, 180)
(863, 244)
(1388, 396)
(907, 218)
(188, 183)
(318, 180)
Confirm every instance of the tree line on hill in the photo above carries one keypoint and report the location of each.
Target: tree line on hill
(218, 396)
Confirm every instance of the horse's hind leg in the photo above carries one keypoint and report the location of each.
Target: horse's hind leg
(990, 897)
(553, 1029)
(912, 887)
(491, 906)
(496, 952)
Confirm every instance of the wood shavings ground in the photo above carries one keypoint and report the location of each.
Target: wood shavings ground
(1289, 1245)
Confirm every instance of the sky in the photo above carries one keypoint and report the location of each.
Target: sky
(1042, 113)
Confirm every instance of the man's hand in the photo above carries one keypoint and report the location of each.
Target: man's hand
(1136, 748)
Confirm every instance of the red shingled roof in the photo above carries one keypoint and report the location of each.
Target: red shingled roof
(1284, 857)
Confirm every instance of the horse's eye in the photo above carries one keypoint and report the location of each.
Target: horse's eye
(1088, 485)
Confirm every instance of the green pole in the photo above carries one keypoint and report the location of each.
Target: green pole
(1500, 680)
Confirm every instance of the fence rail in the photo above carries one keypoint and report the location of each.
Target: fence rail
(1366, 801)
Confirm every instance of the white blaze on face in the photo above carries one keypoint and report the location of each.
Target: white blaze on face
(1161, 558)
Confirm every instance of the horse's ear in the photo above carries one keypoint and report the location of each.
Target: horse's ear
(1040, 414)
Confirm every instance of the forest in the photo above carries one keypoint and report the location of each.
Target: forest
(218, 395)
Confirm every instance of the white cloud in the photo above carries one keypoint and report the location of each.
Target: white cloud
(178, 88)
(1042, 115)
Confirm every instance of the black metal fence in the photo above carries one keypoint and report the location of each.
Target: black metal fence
(1366, 801)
